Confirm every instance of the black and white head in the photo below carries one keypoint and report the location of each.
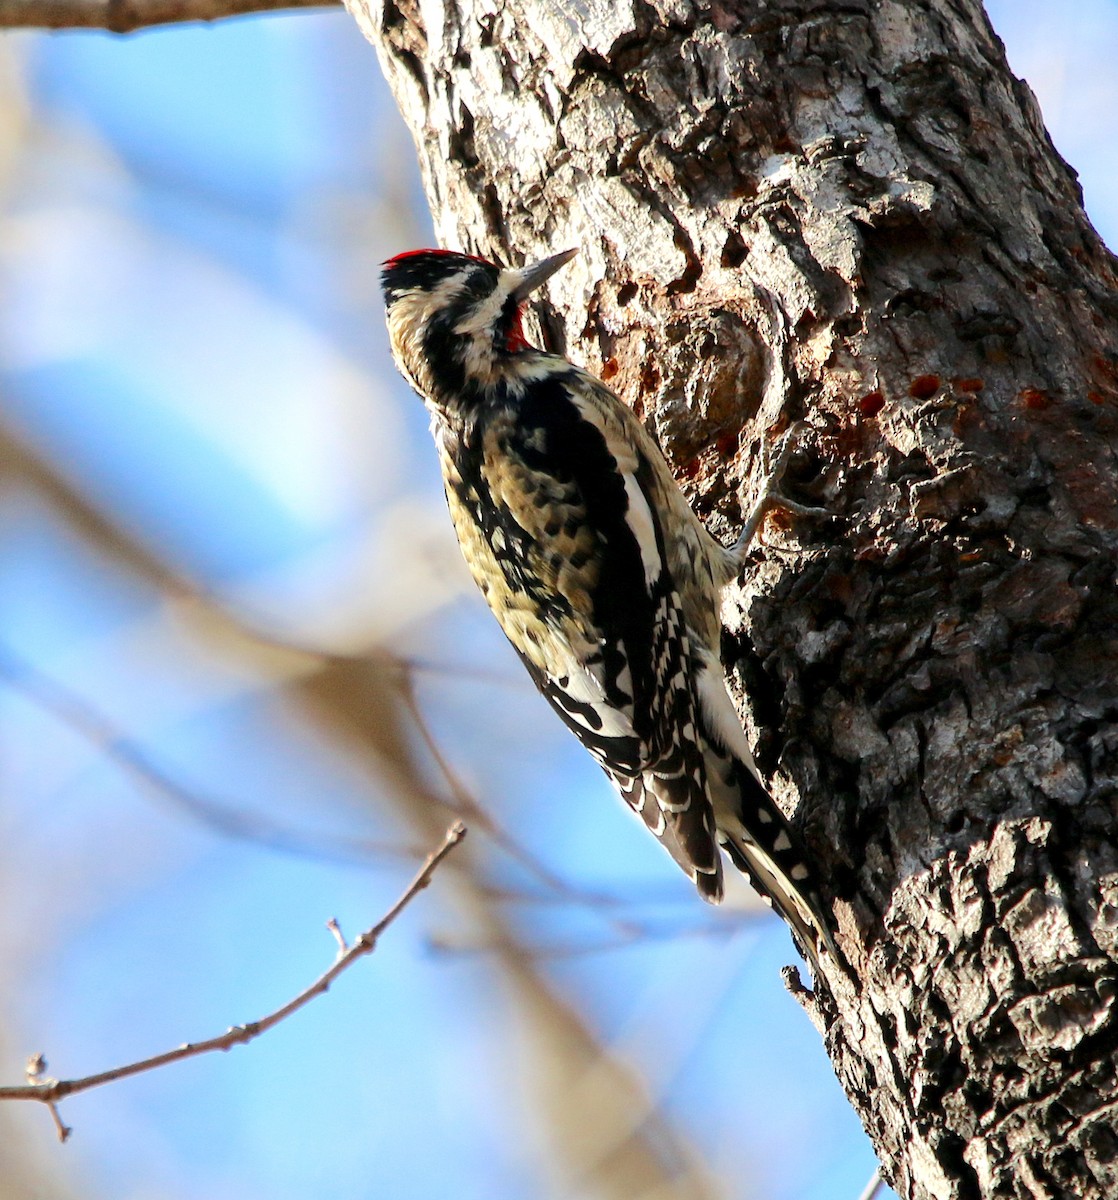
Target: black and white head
(454, 321)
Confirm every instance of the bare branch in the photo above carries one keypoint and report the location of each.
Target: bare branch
(35, 1072)
(126, 16)
(50, 1091)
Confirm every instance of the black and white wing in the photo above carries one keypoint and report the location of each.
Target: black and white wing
(556, 524)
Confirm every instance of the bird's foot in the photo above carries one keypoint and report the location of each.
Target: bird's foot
(774, 463)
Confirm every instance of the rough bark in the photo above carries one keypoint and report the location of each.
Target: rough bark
(851, 213)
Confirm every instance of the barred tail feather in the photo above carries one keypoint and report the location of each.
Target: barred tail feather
(752, 830)
(674, 808)
(779, 868)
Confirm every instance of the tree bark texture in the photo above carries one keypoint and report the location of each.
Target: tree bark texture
(850, 214)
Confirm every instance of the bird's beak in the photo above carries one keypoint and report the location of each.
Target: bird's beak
(532, 276)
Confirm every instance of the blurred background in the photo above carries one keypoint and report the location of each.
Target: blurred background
(245, 685)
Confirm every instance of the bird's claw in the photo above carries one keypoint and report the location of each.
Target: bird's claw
(774, 463)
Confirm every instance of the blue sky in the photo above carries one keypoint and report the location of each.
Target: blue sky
(191, 336)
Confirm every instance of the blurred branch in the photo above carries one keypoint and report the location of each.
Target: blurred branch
(612, 1138)
(650, 1157)
(638, 932)
(226, 818)
(125, 16)
(238, 631)
(469, 807)
(20, 462)
(78, 714)
(354, 699)
(50, 1091)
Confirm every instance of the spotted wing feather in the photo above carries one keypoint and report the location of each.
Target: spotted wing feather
(569, 553)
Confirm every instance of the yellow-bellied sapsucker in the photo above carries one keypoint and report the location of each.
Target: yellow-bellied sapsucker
(601, 576)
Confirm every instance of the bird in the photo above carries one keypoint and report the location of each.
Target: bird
(600, 574)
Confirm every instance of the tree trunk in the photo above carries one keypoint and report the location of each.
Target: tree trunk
(851, 214)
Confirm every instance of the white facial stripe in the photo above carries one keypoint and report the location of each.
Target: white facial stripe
(481, 320)
(476, 329)
(446, 288)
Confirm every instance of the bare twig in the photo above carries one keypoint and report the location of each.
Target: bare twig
(50, 1091)
(339, 937)
(36, 1075)
(125, 16)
